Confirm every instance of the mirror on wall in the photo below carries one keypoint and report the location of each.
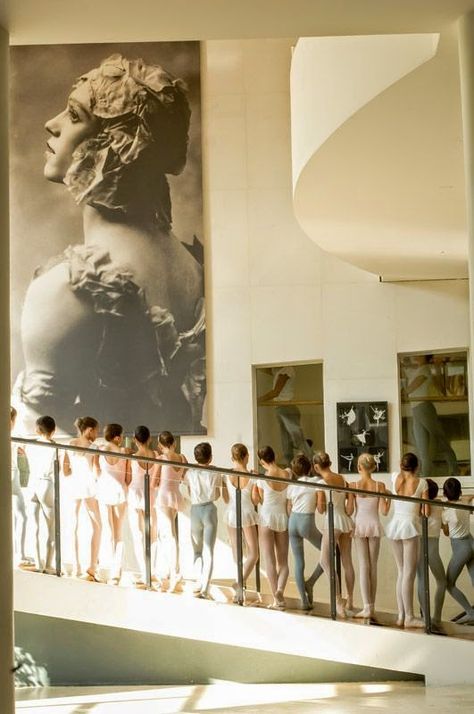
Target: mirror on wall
(290, 414)
(434, 411)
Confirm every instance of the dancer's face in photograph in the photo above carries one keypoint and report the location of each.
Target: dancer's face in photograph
(67, 131)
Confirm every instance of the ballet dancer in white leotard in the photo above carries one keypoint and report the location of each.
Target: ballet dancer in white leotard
(368, 530)
(41, 491)
(21, 560)
(169, 501)
(240, 459)
(435, 563)
(302, 526)
(273, 528)
(81, 469)
(343, 527)
(112, 486)
(404, 531)
(136, 502)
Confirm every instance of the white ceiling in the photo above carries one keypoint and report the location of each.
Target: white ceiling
(61, 21)
(407, 128)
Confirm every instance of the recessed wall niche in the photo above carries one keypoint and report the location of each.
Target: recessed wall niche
(289, 409)
(434, 411)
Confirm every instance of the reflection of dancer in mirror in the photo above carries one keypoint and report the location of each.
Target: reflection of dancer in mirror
(169, 502)
(240, 459)
(128, 302)
(378, 415)
(136, 502)
(349, 458)
(348, 417)
(81, 469)
(362, 436)
(112, 492)
(288, 415)
(424, 381)
(343, 526)
(368, 531)
(404, 531)
(41, 488)
(19, 511)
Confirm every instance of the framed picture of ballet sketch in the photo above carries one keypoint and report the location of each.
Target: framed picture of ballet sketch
(362, 427)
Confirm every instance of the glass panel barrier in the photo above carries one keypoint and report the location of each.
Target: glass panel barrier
(212, 546)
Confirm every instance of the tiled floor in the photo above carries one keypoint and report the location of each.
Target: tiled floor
(249, 699)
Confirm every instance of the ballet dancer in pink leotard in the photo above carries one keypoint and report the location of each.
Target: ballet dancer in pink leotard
(169, 501)
(368, 530)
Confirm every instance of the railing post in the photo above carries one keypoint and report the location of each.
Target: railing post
(57, 515)
(147, 528)
(426, 574)
(240, 565)
(332, 565)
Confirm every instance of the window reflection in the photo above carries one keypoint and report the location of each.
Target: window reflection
(435, 411)
(290, 409)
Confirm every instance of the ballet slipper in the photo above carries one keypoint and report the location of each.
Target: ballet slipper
(467, 619)
(309, 592)
(340, 610)
(365, 613)
(113, 581)
(413, 623)
(280, 600)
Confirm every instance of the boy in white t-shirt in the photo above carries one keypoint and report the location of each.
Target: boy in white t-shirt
(204, 488)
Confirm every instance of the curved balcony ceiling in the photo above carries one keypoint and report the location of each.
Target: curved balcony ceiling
(377, 152)
(45, 21)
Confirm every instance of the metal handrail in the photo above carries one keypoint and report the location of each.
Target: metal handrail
(232, 472)
(334, 575)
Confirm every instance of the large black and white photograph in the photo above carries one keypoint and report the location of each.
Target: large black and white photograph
(362, 427)
(107, 239)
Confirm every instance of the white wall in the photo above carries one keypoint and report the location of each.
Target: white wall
(273, 296)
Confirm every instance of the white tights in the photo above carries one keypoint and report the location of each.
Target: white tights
(168, 537)
(367, 555)
(343, 540)
(274, 547)
(406, 556)
(251, 540)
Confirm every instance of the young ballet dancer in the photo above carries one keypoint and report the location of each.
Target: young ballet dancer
(368, 530)
(273, 528)
(136, 502)
(435, 562)
(404, 531)
(343, 527)
(302, 526)
(169, 502)
(456, 525)
(41, 491)
(114, 477)
(21, 560)
(204, 489)
(81, 470)
(240, 459)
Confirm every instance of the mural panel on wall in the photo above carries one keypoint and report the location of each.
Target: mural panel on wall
(362, 427)
(107, 246)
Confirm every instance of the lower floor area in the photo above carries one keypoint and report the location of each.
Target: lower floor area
(349, 698)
